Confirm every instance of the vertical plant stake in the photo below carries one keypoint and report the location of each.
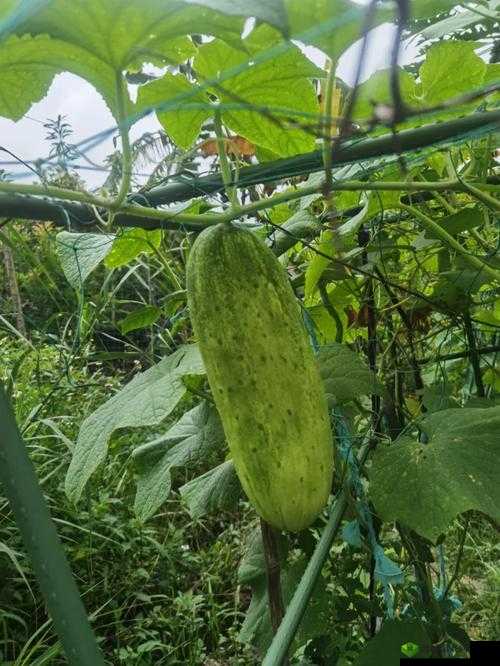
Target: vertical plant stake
(42, 543)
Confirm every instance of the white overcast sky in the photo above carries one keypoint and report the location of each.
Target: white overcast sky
(85, 110)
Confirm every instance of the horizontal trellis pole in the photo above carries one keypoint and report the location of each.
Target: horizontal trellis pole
(81, 216)
(356, 150)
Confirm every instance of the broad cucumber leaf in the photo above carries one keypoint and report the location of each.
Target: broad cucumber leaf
(28, 65)
(377, 89)
(184, 118)
(345, 375)
(386, 647)
(270, 11)
(218, 489)
(80, 254)
(450, 69)
(354, 223)
(145, 401)
(463, 220)
(454, 289)
(331, 25)
(378, 202)
(196, 435)
(426, 485)
(130, 244)
(153, 489)
(253, 563)
(300, 225)
(120, 33)
(318, 263)
(96, 39)
(278, 88)
(141, 318)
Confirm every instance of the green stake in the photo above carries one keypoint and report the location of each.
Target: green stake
(51, 567)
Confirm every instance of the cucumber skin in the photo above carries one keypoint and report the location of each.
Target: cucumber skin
(263, 375)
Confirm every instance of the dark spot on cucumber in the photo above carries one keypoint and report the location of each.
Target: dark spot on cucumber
(289, 412)
(301, 479)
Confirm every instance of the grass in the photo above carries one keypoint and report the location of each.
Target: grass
(167, 587)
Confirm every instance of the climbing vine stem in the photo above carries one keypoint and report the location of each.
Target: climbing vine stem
(123, 124)
(437, 230)
(224, 162)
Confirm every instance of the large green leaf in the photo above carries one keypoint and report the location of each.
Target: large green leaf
(184, 120)
(98, 39)
(130, 244)
(454, 289)
(145, 401)
(218, 489)
(270, 11)
(28, 65)
(140, 318)
(120, 32)
(344, 373)
(426, 485)
(259, 99)
(385, 647)
(331, 25)
(253, 562)
(319, 262)
(377, 89)
(450, 69)
(463, 220)
(196, 435)
(80, 254)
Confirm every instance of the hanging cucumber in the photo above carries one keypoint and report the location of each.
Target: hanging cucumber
(262, 374)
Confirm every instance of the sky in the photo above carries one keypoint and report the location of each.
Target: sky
(87, 113)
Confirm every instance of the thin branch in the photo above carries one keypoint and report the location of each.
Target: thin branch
(474, 357)
(339, 329)
(399, 106)
(458, 355)
(224, 162)
(429, 225)
(122, 101)
(461, 545)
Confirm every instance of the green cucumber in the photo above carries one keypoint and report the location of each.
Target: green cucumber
(263, 375)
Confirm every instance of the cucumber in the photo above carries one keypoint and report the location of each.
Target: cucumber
(262, 374)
